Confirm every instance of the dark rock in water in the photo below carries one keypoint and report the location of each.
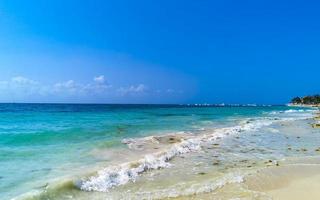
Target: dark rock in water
(303, 149)
(168, 139)
(298, 137)
(45, 186)
(318, 149)
(316, 125)
(201, 173)
(134, 164)
(217, 162)
(269, 161)
(262, 150)
(249, 166)
(174, 140)
(289, 148)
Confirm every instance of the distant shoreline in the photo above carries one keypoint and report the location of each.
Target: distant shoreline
(304, 105)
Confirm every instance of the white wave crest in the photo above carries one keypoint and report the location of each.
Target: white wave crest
(180, 190)
(294, 111)
(121, 174)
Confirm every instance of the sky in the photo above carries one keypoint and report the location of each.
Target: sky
(170, 51)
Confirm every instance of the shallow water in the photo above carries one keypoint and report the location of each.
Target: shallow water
(145, 151)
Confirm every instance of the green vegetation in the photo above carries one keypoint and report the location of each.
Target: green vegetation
(308, 100)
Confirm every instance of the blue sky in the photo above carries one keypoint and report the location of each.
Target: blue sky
(158, 51)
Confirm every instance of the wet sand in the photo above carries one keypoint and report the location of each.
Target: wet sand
(294, 180)
(258, 159)
(303, 188)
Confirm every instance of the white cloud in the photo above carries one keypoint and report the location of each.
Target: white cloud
(70, 84)
(22, 88)
(96, 88)
(169, 90)
(71, 87)
(23, 81)
(138, 88)
(99, 79)
(133, 89)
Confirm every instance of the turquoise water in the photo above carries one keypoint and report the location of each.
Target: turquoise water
(43, 142)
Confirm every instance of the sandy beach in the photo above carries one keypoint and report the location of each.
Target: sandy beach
(291, 182)
(238, 153)
(303, 188)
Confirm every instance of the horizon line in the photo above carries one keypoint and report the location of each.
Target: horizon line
(181, 104)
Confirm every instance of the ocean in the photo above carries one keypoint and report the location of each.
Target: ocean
(88, 151)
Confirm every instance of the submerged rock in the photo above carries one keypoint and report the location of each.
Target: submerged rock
(269, 161)
(304, 149)
(217, 162)
(316, 125)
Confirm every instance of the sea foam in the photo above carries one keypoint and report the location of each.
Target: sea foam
(113, 176)
(119, 175)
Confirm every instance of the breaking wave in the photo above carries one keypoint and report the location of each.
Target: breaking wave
(113, 176)
(119, 175)
(177, 144)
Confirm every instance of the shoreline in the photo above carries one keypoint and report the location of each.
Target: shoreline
(295, 180)
(291, 181)
(317, 115)
(299, 189)
(304, 105)
(224, 160)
